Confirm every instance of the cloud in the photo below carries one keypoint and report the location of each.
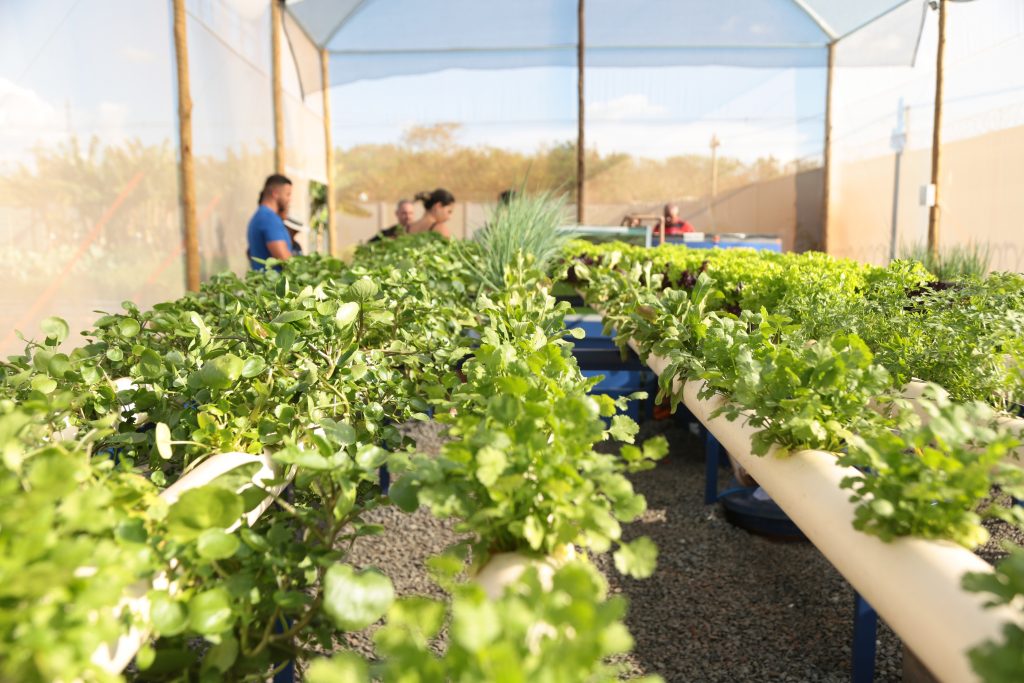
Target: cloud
(627, 107)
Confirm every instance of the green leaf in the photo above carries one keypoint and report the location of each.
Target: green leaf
(369, 457)
(346, 315)
(623, 428)
(475, 622)
(490, 463)
(637, 558)
(254, 365)
(404, 493)
(115, 354)
(162, 433)
(55, 328)
(210, 612)
(353, 600)
(290, 316)
(344, 667)
(151, 365)
(418, 614)
(167, 615)
(216, 544)
(221, 372)
(207, 507)
(285, 338)
(221, 656)
(128, 327)
(43, 384)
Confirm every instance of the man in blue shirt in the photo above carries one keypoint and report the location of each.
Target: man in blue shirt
(267, 233)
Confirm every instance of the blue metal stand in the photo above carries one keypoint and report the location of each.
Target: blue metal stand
(713, 453)
(385, 479)
(287, 674)
(865, 634)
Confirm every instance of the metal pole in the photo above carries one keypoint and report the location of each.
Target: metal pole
(714, 178)
(332, 238)
(581, 163)
(186, 165)
(933, 211)
(899, 143)
(826, 169)
(275, 61)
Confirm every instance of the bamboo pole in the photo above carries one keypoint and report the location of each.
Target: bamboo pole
(826, 169)
(332, 238)
(581, 163)
(276, 29)
(934, 212)
(186, 165)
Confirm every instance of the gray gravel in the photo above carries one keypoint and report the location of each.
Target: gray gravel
(728, 606)
(722, 606)
(409, 540)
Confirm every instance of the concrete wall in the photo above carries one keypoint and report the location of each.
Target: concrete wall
(982, 200)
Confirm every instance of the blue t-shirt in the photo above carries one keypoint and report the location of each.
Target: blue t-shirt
(265, 226)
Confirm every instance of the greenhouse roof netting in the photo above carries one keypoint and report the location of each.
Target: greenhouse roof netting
(370, 39)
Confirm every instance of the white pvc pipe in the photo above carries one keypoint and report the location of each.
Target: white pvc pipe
(914, 584)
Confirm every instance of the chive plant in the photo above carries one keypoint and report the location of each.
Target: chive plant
(523, 229)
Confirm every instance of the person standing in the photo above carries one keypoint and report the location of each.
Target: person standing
(267, 234)
(438, 207)
(674, 225)
(404, 212)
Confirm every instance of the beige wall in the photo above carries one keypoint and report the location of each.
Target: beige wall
(982, 200)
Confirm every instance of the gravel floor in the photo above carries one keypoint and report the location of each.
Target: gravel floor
(722, 606)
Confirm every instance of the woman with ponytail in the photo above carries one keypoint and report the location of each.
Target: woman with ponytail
(438, 207)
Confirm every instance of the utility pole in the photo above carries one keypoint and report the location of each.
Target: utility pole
(276, 28)
(898, 144)
(826, 160)
(714, 178)
(934, 212)
(186, 164)
(581, 163)
(332, 237)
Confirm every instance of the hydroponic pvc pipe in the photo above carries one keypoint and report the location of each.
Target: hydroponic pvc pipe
(913, 583)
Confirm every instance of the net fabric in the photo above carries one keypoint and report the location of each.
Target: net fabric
(89, 206)
(88, 202)
(382, 38)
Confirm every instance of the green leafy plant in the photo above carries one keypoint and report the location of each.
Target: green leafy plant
(521, 472)
(952, 262)
(928, 478)
(522, 230)
(1001, 662)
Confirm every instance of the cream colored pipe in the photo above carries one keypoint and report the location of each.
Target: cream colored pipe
(912, 583)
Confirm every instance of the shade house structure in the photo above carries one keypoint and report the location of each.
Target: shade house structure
(378, 39)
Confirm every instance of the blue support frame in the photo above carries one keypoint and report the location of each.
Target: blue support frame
(865, 635)
(287, 674)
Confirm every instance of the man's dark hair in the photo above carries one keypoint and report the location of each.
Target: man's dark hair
(273, 182)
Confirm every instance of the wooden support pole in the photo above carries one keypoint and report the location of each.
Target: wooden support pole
(581, 163)
(332, 238)
(186, 165)
(826, 168)
(934, 212)
(276, 29)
